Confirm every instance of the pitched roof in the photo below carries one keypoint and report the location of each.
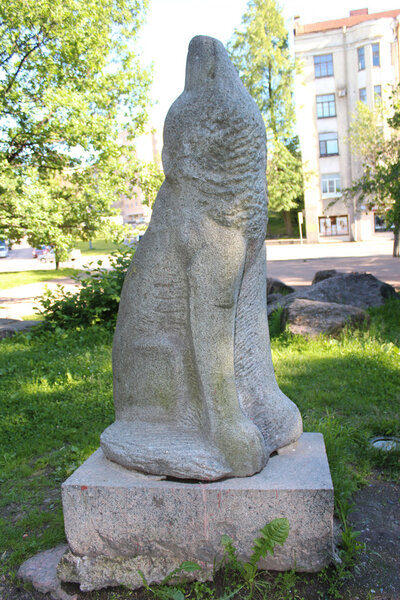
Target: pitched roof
(355, 18)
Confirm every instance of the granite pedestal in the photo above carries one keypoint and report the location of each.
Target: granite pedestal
(118, 521)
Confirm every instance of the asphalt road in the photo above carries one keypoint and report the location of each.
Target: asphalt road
(296, 265)
(20, 259)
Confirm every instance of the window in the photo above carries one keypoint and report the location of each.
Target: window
(362, 92)
(377, 93)
(379, 223)
(326, 106)
(375, 55)
(361, 58)
(334, 225)
(323, 65)
(331, 185)
(328, 144)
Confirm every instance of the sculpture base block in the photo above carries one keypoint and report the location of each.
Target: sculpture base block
(118, 521)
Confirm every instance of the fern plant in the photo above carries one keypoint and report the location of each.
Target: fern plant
(273, 533)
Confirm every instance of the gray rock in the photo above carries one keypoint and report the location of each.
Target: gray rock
(41, 572)
(276, 301)
(311, 318)
(194, 386)
(97, 572)
(325, 274)
(355, 289)
(272, 298)
(9, 327)
(118, 521)
(276, 286)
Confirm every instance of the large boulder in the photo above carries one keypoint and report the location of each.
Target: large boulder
(325, 274)
(356, 289)
(276, 286)
(275, 301)
(312, 318)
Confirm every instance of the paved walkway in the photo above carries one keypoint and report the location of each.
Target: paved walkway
(21, 301)
(296, 264)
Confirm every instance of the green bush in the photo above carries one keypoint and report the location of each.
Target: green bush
(96, 301)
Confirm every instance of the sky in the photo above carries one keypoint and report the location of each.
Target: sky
(171, 24)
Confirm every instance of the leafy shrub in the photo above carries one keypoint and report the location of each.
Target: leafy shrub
(96, 301)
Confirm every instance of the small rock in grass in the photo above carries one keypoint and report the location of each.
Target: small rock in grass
(40, 571)
(276, 286)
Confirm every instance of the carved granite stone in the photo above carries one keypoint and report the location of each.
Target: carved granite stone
(194, 386)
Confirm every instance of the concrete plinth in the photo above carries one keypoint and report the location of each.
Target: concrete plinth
(118, 521)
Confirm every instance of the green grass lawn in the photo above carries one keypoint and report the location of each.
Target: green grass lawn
(99, 246)
(56, 399)
(52, 416)
(10, 280)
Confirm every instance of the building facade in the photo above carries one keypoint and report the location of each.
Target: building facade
(342, 62)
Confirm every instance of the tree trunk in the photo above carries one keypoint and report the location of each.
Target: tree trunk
(396, 247)
(288, 222)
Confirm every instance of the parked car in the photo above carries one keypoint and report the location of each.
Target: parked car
(47, 255)
(3, 249)
(37, 252)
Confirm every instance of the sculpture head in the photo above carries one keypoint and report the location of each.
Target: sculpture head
(214, 129)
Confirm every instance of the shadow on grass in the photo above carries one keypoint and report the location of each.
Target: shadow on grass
(55, 390)
(349, 390)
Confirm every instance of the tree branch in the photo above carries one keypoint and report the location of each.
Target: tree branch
(8, 88)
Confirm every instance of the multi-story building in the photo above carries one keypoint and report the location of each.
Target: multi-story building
(342, 62)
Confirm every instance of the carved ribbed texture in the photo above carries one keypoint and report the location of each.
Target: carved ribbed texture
(194, 387)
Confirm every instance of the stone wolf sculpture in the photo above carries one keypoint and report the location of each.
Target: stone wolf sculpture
(194, 386)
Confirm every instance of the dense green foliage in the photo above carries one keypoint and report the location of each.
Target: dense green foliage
(375, 140)
(150, 179)
(70, 80)
(96, 301)
(285, 178)
(260, 52)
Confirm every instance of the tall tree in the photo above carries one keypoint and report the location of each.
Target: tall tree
(375, 139)
(69, 81)
(260, 52)
(285, 181)
(149, 179)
